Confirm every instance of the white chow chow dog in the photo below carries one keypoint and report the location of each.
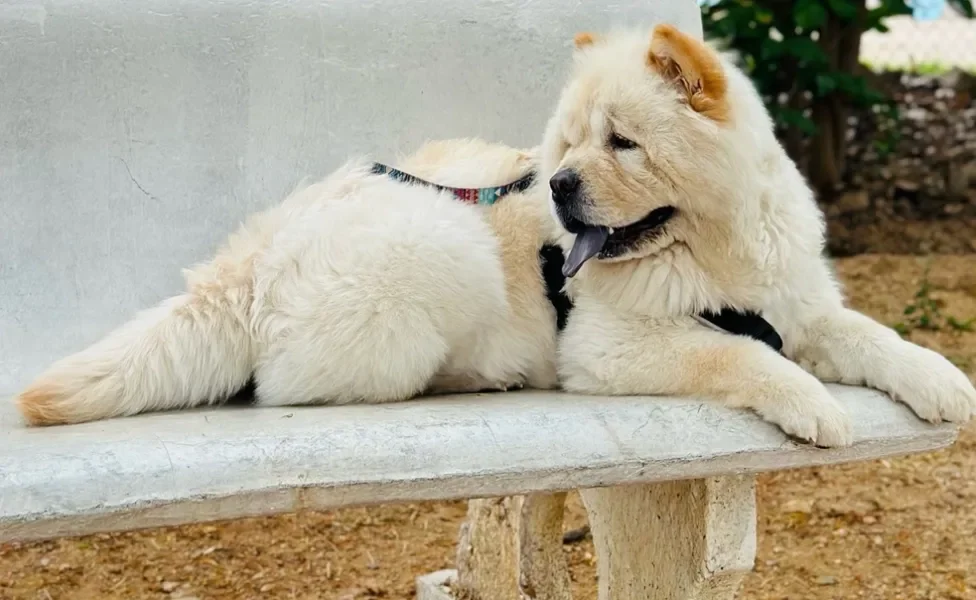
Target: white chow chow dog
(661, 178)
(677, 200)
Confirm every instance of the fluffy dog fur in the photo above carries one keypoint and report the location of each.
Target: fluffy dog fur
(355, 289)
(746, 233)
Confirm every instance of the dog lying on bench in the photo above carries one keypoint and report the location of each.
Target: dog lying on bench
(692, 246)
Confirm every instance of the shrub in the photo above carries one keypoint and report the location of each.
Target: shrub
(803, 57)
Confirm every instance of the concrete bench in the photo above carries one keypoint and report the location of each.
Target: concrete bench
(135, 135)
(668, 483)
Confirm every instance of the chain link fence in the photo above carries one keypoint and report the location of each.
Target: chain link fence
(936, 45)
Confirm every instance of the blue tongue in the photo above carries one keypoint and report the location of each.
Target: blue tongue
(588, 244)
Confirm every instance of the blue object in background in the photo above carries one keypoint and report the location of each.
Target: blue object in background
(927, 10)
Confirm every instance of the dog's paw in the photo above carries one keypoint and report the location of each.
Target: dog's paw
(510, 387)
(812, 415)
(932, 386)
(499, 386)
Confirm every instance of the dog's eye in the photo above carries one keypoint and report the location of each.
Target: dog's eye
(619, 142)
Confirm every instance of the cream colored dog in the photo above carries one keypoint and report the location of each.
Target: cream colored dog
(356, 289)
(676, 198)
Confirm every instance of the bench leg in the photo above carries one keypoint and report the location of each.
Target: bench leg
(511, 549)
(543, 573)
(685, 540)
(487, 564)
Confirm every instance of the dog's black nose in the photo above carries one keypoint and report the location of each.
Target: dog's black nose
(564, 185)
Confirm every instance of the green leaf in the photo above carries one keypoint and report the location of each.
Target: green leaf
(764, 16)
(805, 49)
(770, 49)
(958, 325)
(795, 118)
(895, 7)
(910, 309)
(856, 88)
(963, 7)
(825, 83)
(809, 14)
(875, 19)
(845, 9)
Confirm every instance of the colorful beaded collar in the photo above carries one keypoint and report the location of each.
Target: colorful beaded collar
(486, 195)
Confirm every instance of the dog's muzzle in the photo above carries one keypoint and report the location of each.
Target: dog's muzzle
(596, 240)
(565, 186)
(568, 199)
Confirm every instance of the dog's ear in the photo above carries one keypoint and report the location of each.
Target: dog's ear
(584, 39)
(693, 67)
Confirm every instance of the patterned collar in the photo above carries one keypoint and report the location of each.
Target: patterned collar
(486, 195)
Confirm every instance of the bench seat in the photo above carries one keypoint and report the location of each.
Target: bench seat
(173, 468)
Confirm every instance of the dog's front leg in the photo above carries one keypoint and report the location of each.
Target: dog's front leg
(847, 347)
(601, 355)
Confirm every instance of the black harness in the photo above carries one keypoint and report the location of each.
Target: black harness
(551, 258)
(746, 323)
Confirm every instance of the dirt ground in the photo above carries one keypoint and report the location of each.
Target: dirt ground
(901, 528)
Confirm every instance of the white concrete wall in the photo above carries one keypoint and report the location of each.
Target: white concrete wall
(134, 134)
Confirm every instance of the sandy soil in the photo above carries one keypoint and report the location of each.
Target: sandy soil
(903, 528)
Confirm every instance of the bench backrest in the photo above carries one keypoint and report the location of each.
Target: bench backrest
(135, 135)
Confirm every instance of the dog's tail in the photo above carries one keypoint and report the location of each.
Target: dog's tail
(192, 349)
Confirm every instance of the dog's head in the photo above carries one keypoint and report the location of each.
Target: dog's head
(641, 134)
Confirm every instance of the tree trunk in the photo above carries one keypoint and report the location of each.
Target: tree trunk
(841, 43)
